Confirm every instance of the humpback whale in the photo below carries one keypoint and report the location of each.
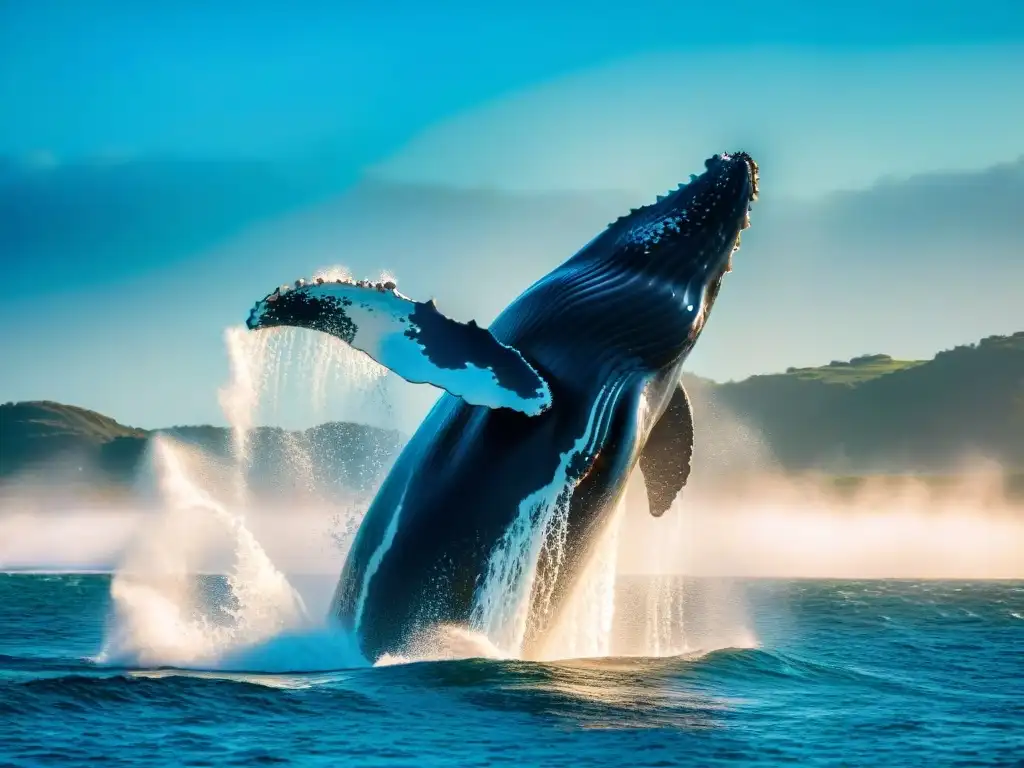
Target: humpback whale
(493, 508)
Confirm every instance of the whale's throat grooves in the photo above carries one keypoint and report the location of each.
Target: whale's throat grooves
(597, 313)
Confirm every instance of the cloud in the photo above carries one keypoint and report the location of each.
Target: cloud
(958, 210)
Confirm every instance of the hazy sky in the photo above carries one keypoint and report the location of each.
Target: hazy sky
(591, 95)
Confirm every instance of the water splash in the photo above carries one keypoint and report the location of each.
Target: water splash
(164, 612)
(336, 363)
(503, 603)
(665, 612)
(586, 626)
(502, 607)
(665, 602)
(444, 643)
(253, 618)
(166, 615)
(240, 398)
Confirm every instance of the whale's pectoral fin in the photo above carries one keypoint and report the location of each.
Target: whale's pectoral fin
(665, 460)
(410, 338)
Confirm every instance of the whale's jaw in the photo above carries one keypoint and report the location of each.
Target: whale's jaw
(644, 287)
(693, 229)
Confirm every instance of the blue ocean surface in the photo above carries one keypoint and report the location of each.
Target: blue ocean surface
(841, 673)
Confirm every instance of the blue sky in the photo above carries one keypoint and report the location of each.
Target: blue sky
(266, 78)
(616, 96)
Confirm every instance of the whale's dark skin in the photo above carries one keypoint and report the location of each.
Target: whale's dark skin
(608, 331)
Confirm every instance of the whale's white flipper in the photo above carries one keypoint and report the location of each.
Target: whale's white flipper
(410, 338)
(665, 461)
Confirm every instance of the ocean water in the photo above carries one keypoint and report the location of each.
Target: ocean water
(831, 673)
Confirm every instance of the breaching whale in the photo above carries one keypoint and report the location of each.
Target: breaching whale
(492, 509)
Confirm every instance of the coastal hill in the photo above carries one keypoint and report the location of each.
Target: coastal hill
(871, 414)
(45, 442)
(877, 414)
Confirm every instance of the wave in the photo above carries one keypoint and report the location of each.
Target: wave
(750, 665)
(94, 694)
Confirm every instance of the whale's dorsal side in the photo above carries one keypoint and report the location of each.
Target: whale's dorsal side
(665, 461)
(410, 338)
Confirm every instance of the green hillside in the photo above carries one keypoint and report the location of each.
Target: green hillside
(854, 371)
(48, 420)
(874, 413)
(43, 442)
(58, 436)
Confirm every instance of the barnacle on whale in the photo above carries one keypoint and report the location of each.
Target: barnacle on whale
(708, 164)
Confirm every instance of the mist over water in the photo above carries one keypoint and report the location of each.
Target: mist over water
(802, 528)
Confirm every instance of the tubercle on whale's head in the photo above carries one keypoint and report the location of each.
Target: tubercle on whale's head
(694, 229)
(273, 309)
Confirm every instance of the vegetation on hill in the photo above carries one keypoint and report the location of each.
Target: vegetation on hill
(54, 435)
(874, 413)
(44, 440)
(853, 371)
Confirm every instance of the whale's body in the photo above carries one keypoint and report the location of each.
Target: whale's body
(491, 510)
(422, 553)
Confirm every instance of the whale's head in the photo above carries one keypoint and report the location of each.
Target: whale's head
(663, 264)
(693, 230)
